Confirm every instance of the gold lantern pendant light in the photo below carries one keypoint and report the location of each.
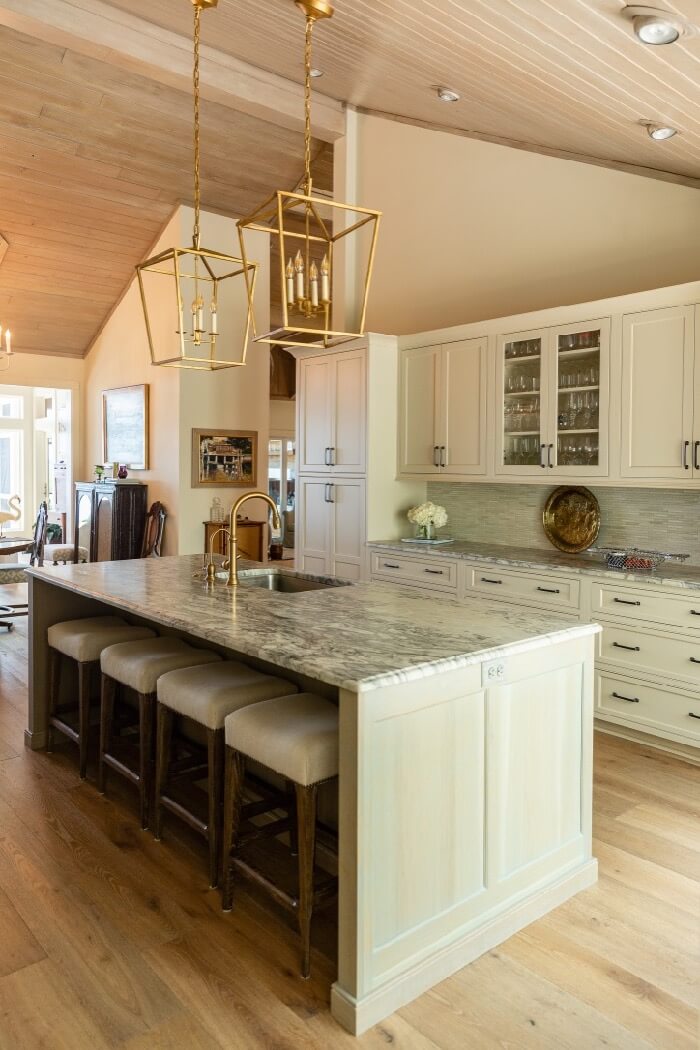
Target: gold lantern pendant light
(202, 318)
(318, 239)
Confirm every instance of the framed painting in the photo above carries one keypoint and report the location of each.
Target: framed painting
(224, 458)
(125, 426)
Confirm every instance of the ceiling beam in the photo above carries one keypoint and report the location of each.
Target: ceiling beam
(106, 33)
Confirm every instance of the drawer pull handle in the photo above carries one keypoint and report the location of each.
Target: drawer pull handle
(436, 572)
(629, 699)
(624, 601)
(632, 648)
(693, 715)
(549, 590)
(391, 565)
(694, 660)
(487, 579)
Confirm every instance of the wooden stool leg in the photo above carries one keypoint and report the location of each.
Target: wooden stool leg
(55, 665)
(294, 827)
(306, 817)
(164, 736)
(146, 704)
(215, 764)
(233, 797)
(84, 676)
(107, 693)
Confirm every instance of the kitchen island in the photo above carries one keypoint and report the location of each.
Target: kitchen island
(465, 750)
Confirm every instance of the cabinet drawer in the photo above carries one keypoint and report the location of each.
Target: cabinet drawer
(647, 653)
(499, 583)
(651, 707)
(626, 603)
(433, 572)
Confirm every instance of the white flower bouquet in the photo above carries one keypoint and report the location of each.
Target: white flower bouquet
(427, 518)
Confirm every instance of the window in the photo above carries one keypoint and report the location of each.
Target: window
(11, 476)
(11, 407)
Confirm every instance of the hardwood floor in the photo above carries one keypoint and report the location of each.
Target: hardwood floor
(109, 939)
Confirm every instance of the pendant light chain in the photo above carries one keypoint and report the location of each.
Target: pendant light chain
(195, 80)
(307, 106)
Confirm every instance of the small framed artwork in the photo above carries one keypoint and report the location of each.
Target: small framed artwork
(224, 458)
(125, 426)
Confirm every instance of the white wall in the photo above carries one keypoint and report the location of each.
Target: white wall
(472, 230)
(120, 357)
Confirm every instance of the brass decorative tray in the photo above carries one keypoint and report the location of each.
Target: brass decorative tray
(571, 518)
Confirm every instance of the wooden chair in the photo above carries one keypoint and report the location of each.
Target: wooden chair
(35, 550)
(153, 531)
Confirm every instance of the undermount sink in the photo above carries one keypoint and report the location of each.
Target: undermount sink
(285, 584)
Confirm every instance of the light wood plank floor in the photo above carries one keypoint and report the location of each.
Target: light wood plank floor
(109, 939)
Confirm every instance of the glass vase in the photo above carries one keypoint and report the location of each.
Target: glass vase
(425, 532)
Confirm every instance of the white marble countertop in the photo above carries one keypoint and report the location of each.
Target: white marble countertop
(355, 637)
(670, 574)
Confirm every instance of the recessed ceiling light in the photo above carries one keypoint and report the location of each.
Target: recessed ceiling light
(447, 95)
(316, 72)
(660, 132)
(655, 26)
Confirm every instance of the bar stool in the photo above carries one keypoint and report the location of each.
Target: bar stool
(138, 666)
(206, 696)
(83, 642)
(297, 737)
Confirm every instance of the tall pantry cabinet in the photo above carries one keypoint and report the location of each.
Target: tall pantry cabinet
(346, 441)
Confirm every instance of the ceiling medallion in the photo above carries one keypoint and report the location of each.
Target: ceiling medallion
(197, 302)
(318, 239)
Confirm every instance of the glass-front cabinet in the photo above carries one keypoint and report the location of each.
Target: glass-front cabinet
(522, 380)
(553, 386)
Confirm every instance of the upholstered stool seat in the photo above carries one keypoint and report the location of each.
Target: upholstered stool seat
(138, 665)
(296, 737)
(204, 695)
(82, 641)
(64, 553)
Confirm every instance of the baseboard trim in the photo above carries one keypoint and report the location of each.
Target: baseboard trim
(35, 741)
(687, 752)
(357, 1015)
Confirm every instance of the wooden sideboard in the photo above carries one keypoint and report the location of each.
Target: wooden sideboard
(109, 520)
(251, 539)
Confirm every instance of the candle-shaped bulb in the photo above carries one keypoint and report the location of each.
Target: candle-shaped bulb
(299, 268)
(325, 280)
(289, 273)
(200, 314)
(8, 342)
(313, 283)
(214, 319)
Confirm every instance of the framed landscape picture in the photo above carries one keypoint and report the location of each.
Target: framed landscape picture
(125, 426)
(225, 458)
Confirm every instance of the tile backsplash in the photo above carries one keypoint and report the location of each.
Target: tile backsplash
(663, 519)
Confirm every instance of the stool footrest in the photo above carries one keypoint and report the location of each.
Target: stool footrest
(264, 831)
(324, 892)
(193, 814)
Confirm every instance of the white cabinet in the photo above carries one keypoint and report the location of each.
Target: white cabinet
(332, 417)
(330, 527)
(553, 389)
(442, 409)
(660, 401)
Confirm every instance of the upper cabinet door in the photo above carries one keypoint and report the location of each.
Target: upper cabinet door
(350, 411)
(579, 398)
(523, 445)
(462, 434)
(316, 414)
(418, 411)
(657, 394)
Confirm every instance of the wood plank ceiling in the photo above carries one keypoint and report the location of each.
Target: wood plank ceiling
(93, 157)
(93, 160)
(564, 75)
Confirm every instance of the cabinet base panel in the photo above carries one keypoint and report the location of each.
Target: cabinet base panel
(357, 1015)
(670, 747)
